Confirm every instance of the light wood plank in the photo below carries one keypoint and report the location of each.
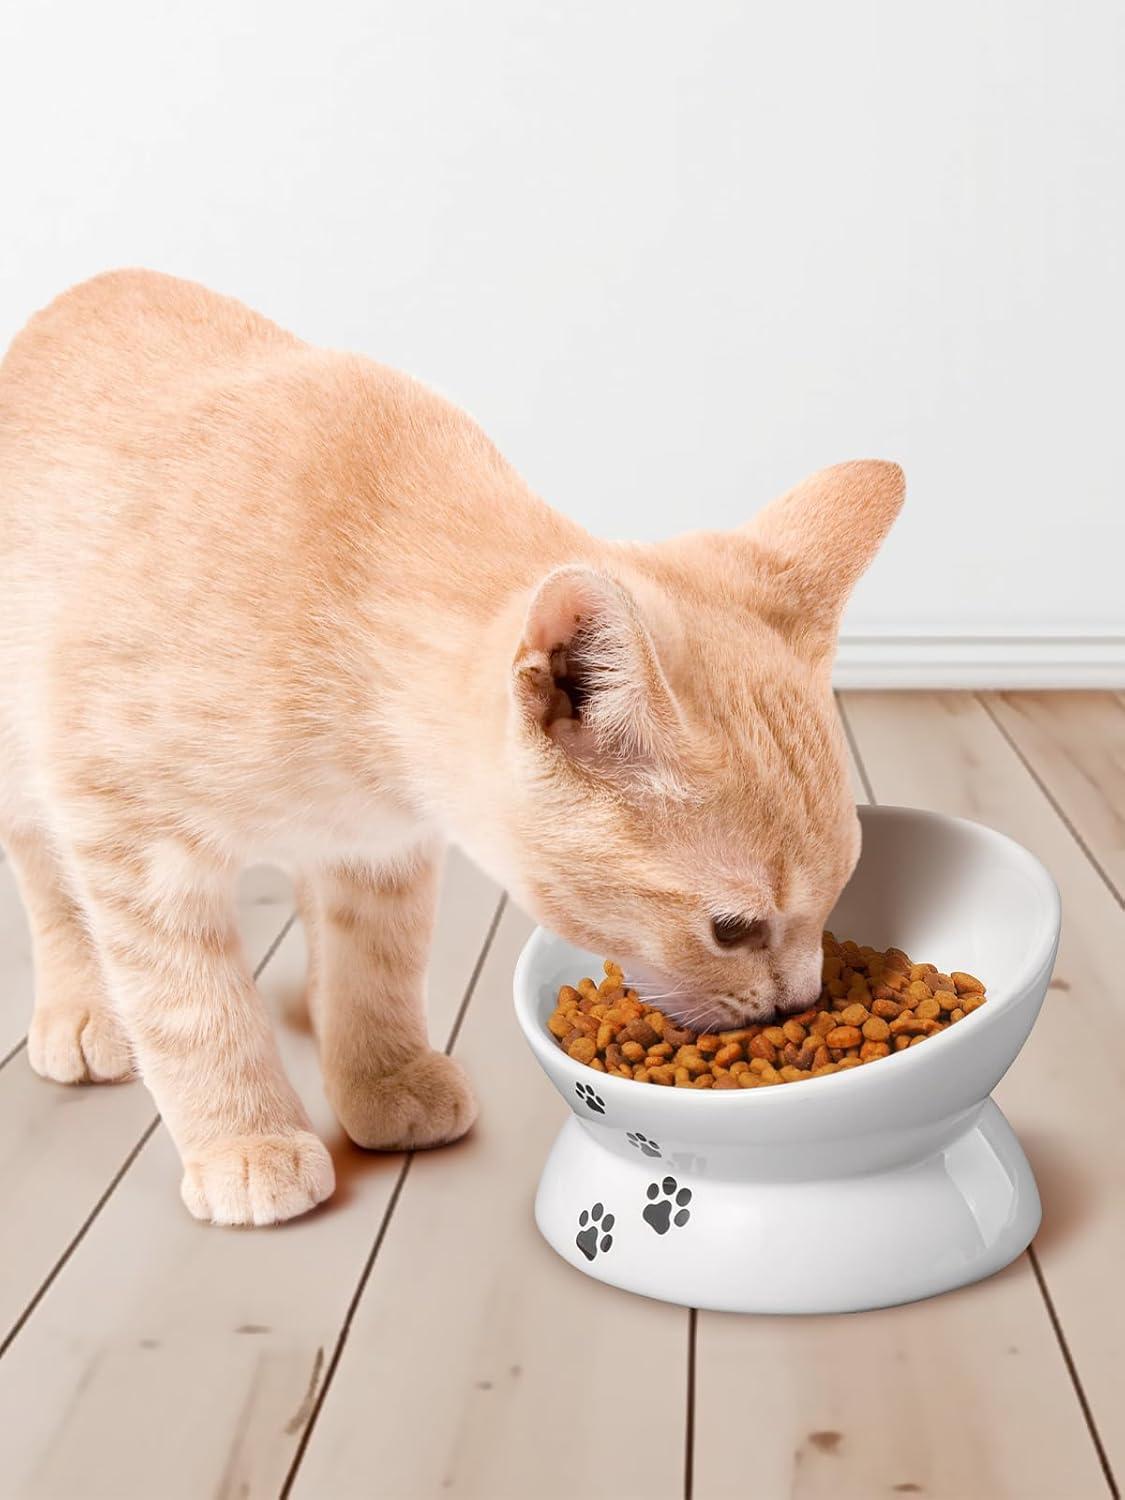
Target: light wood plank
(961, 1398)
(983, 1352)
(174, 1359)
(15, 965)
(1075, 743)
(479, 1364)
(61, 1146)
(1065, 1098)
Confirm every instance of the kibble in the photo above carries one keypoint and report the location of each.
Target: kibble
(871, 1005)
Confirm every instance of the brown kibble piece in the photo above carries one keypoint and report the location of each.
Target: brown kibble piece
(640, 1031)
(762, 1047)
(966, 984)
(844, 1036)
(887, 1009)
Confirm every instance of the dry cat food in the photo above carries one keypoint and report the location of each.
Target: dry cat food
(871, 1004)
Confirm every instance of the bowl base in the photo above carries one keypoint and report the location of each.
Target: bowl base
(656, 1226)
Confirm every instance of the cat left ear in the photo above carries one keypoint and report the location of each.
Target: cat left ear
(587, 675)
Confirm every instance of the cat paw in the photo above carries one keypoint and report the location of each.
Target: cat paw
(428, 1102)
(78, 1044)
(257, 1179)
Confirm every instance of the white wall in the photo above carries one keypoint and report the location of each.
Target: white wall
(672, 255)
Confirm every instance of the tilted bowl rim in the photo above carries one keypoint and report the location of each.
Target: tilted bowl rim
(1039, 957)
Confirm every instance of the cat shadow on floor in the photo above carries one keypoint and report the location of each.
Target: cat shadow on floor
(1068, 1187)
(289, 1008)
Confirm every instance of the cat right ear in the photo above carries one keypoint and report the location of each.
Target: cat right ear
(587, 676)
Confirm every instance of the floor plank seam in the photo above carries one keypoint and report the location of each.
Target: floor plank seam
(345, 1329)
(849, 734)
(455, 1029)
(275, 945)
(689, 1426)
(1013, 745)
(1072, 1370)
(20, 1045)
(56, 1269)
(384, 1225)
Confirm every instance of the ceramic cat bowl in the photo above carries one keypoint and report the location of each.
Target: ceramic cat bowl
(862, 1189)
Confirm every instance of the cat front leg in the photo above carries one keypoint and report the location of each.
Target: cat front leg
(161, 914)
(371, 929)
(74, 1036)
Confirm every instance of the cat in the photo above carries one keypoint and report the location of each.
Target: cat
(265, 602)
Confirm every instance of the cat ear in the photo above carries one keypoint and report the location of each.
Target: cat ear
(813, 544)
(587, 675)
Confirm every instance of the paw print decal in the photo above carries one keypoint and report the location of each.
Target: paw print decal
(594, 1235)
(658, 1210)
(589, 1098)
(642, 1143)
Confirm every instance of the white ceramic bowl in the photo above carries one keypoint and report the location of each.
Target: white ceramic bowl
(870, 1187)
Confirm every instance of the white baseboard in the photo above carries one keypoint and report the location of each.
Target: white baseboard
(957, 660)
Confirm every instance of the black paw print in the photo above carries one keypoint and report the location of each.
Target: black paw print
(591, 1225)
(642, 1143)
(589, 1098)
(659, 1213)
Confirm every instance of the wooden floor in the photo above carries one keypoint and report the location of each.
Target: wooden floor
(415, 1338)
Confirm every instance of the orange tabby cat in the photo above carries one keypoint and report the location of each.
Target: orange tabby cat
(265, 602)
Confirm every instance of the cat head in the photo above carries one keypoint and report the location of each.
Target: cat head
(681, 797)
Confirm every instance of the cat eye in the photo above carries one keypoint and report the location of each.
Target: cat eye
(739, 932)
